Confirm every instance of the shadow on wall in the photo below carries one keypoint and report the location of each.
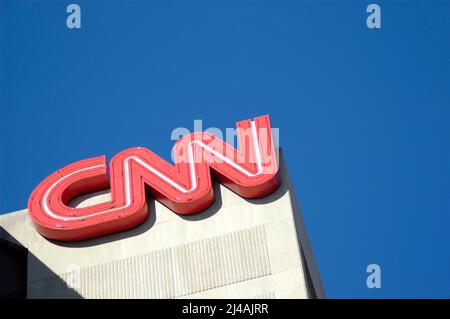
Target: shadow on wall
(136, 231)
(144, 227)
(17, 263)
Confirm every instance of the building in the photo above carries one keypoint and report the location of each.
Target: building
(237, 248)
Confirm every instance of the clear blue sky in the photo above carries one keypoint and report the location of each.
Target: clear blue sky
(364, 115)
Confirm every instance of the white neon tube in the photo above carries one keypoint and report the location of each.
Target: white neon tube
(127, 160)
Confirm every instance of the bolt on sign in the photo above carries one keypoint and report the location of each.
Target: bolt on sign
(251, 171)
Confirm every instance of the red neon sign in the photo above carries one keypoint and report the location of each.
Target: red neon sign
(185, 188)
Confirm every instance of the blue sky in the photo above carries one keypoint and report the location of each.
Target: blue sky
(364, 115)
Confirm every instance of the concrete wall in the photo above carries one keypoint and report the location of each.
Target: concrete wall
(236, 249)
